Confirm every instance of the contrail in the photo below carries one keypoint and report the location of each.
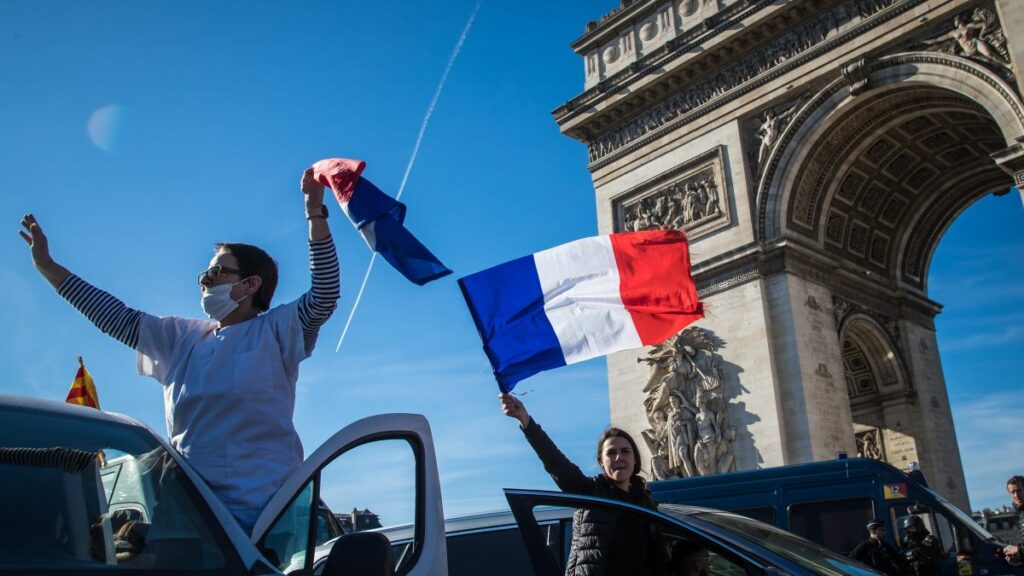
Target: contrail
(412, 157)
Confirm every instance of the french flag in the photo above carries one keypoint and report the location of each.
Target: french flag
(378, 217)
(581, 300)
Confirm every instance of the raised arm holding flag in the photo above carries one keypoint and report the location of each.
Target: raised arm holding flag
(229, 383)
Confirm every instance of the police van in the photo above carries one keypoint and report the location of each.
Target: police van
(831, 502)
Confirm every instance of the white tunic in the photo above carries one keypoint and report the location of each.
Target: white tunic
(229, 397)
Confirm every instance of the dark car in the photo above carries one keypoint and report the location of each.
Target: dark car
(534, 538)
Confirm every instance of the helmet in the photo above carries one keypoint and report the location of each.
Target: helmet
(875, 523)
(915, 522)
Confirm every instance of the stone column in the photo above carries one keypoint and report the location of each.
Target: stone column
(936, 439)
(808, 370)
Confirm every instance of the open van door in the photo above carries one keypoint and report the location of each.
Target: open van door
(286, 530)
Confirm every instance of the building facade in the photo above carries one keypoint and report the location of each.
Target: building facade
(815, 151)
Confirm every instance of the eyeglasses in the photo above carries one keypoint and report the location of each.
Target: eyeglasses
(214, 272)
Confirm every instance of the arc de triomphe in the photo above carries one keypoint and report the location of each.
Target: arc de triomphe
(815, 151)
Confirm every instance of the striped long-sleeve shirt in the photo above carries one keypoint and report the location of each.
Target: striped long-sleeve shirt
(116, 319)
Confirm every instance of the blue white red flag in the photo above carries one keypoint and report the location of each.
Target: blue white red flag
(581, 300)
(379, 218)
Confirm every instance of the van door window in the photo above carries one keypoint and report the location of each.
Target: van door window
(836, 524)
(764, 514)
(936, 523)
(366, 487)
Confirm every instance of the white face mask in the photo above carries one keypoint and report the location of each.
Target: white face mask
(217, 302)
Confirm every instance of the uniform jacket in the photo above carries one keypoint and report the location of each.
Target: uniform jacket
(922, 555)
(878, 555)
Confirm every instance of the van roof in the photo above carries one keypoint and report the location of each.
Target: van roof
(810, 472)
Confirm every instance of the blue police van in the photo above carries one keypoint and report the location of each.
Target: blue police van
(831, 502)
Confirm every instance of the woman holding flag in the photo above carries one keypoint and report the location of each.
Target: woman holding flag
(602, 543)
(229, 383)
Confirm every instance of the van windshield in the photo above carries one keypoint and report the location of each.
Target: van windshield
(83, 493)
(964, 519)
(817, 559)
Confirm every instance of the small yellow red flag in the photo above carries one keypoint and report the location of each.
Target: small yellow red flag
(83, 389)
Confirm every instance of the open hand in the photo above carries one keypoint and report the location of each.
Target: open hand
(514, 408)
(38, 245)
(33, 235)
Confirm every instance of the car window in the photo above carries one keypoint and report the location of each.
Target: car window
(813, 557)
(285, 544)
(327, 526)
(368, 487)
(631, 541)
(835, 524)
(79, 493)
(935, 522)
(944, 532)
(492, 552)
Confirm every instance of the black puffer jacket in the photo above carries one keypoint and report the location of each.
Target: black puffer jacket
(603, 544)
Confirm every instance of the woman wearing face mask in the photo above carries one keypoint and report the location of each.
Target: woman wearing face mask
(603, 543)
(229, 383)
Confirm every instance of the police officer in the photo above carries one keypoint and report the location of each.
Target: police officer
(876, 553)
(921, 551)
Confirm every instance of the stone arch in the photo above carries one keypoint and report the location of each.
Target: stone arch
(864, 336)
(877, 385)
(899, 89)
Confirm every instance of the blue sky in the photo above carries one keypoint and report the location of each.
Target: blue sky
(142, 133)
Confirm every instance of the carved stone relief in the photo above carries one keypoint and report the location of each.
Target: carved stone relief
(869, 444)
(686, 408)
(768, 127)
(977, 35)
(692, 197)
(844, 308)
(771, 55)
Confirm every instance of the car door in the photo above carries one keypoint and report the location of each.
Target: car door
(675, 548)
(286, 529)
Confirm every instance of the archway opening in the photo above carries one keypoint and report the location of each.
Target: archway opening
(977, 273)
(873, 188)
(877, 386)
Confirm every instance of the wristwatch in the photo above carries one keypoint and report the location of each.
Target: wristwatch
(314, 213)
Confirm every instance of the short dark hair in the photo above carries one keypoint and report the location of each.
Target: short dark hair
(1017, 480)
(253, 261)
(614, 432)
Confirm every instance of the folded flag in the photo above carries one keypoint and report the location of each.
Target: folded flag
(83, 389)
(581, 300)
(378, 217)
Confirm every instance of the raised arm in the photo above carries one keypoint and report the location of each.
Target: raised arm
(316, 306)
(39, 247)
(105, 311)
(566, 475)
